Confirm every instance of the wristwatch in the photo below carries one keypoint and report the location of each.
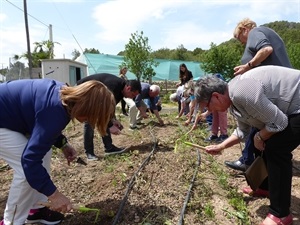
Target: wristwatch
(258, 137)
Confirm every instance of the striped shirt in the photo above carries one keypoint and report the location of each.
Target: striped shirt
(264, 97)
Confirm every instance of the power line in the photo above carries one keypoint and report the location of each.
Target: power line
(68, 27)
(27, 13)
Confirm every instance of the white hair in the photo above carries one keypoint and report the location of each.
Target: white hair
(155, 88)
(173, 97)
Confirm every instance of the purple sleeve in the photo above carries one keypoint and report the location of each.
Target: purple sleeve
(48, 126)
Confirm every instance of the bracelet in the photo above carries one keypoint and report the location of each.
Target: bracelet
(250, 64)
(258, 137)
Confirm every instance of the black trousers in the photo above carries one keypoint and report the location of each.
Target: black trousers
(278, 156)
(89, 139)
(123, 106)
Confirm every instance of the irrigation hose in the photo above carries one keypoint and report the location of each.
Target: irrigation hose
(187, 198)
(133, 178)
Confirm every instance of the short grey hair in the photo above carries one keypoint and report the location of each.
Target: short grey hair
(155, 88)
(205, 86)
(173, 97)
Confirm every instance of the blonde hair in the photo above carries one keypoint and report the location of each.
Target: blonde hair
(188, 88)
(91, 99)
(245, 23)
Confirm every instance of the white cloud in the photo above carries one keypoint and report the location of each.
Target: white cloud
(107, 25)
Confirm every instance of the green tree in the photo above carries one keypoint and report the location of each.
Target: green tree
(138, 57)
(91, 50)
(163, 53)
(293, 50)
(42, 50)
(75, 54)
(222, 59)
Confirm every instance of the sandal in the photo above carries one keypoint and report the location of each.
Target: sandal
(258, 193)
(288, 220)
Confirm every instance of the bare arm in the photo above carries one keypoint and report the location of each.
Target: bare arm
(259, 57)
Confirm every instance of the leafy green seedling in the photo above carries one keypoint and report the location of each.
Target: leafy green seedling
(86, 209)
(194, 145)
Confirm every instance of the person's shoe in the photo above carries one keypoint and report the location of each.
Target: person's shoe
(211, 138)
(133, 128)
(258, 193)
(288, 220)
(125, 113)
(222, 138)
(114, 150)
(139, 123)
(91, 157)
(2, 222)
(45, 216)
(237, 165)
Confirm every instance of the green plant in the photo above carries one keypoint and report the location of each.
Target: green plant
(209, 210)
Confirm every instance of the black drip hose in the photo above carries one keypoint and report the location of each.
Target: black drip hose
(187, 198)
(133, 178)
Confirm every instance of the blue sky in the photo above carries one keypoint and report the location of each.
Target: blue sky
(108, 25)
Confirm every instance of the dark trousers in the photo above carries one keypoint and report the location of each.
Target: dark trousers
(123, 105)
(209, 119)
(89, 139)
(249, 150)
(278, 155)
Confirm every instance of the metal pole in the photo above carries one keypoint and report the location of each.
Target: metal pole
(51, 41)
(28, 39)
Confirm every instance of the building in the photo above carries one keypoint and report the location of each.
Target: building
(64, 70)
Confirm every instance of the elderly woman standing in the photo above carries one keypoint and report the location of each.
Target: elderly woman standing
(263, 46)
(33, 114)
(272, 105)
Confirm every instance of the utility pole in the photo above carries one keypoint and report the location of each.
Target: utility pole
(51, 41)
(28, 40)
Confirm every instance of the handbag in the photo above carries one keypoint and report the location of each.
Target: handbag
(256, 173)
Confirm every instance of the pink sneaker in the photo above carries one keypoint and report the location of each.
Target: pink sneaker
(258, 193)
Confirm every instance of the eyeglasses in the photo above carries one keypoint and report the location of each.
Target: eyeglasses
(207, 105)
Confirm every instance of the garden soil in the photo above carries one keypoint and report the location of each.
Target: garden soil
(159, 180)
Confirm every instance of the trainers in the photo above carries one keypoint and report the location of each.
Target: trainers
(114, 150)
(91, 157)
(221, 138)
(45, 216)
(211, 138)
(133, 128)
(2, 222)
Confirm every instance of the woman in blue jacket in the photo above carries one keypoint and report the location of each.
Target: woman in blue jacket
(33, 114)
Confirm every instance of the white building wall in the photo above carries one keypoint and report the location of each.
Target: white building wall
(59, 69)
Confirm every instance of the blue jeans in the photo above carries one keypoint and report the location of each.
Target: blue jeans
(209, 119)
(89, 142)
(248, 153)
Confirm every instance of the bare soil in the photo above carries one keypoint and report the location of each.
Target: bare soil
(149, 183)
